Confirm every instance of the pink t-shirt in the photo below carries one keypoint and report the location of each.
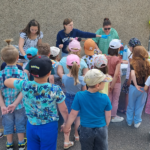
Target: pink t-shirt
(113, 61)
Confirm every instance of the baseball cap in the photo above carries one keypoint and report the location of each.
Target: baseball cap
(72, 58)
(32, 51)
(99, 60)
(54, 51)
(89, 46)
(95, 76)
(115, 44)
(40, 66)
(74, 45)
(134, 42)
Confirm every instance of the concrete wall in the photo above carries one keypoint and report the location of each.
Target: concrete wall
(129, 17)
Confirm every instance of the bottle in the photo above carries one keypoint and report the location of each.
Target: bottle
(121, 50)
(125, 57)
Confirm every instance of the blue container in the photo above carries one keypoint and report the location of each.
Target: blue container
(125, 55)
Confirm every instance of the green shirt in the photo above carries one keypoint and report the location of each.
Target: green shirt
(103, 44)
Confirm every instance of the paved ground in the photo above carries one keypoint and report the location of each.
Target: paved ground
(121, 137)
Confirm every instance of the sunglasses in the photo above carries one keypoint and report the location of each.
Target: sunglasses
(106, 28)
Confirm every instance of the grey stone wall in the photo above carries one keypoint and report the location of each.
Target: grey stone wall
(129, 17)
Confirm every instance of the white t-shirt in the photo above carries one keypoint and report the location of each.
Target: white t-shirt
(128, 69)
(148, 81)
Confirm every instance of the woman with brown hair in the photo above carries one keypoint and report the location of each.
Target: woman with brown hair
(65, 35)
(140, 70)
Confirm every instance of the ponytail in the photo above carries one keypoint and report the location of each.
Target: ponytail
(74, 72)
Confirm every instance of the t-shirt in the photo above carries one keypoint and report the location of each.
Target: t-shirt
(92, 107)
(40, 100)
(4, 65)
(102, 43)
(66, 70)
(105, 90)
(142, 84)
(63, 38)
(30, 42)
(89, 60)
(148, 81)
(9, 94)
(69, 84)
(31, 76)
(113, 61)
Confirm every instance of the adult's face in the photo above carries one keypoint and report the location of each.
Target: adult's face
(107, 29)
(33, 29)
(69, 27)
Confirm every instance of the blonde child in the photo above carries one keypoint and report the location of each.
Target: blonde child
(114, 63)
(73, 83)
(100, 63)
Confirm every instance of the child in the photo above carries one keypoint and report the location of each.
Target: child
(114, 63)
(10, 55)
(140, 70)
(95, 113)
(73, 83)
(100, 63)
(54, 57)
(125, 88)
(40, 105)
(89, 46)
(31, 53)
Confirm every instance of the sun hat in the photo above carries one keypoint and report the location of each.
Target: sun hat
(115, 44)
(54, 51)
(89, 46)
(95, 76)
(72, 58)
(100, 60)
(32, 51)
(74, 45)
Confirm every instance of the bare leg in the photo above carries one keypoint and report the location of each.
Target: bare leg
(9, 138)
(20, 136)
(77, 123)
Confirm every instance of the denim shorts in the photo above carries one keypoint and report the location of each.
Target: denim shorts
(69, 100)
(93, 138)
(17, 118)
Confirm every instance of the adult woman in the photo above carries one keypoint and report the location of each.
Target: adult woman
(103, 44)
(65, 35)
(30, 36)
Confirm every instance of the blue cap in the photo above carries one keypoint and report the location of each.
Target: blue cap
(32, 50)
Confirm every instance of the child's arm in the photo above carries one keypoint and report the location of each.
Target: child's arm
(63, 110)
(108, 117)
(147, 84)
(133, 77)
(10, 82)
(84, 71)
(115, 76)
(60, 71)
(51, 79)
(2, 104)
(12, 107)
(27, 72)
(146, 88)
(72, 116)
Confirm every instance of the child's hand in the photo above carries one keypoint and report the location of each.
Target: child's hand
(61, 46)
(4, 110)
(139, 88)
(11, 108)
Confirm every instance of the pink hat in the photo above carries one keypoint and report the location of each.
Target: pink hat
(74, 45)
(72, 58)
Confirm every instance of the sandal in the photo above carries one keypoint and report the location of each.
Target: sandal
(76, 138)
(68, 145)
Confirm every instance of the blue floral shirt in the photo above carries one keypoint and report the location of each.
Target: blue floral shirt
(9, 94)
(40, 100)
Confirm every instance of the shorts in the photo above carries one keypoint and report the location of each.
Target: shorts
(93, 138)
(17, 118)
(69, 100)
(125, 87)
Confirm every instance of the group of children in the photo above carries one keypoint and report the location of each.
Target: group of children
(84, 90)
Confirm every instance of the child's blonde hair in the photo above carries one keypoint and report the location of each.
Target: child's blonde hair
(74, 72)
(9, 53)
(44, 49)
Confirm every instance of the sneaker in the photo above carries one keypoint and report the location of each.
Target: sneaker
(117, 119)
(1, 135)
(137, 125)
(23, 146)
(9, 147)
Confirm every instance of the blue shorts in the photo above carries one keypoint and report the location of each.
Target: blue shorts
(42, 137)
(17, 118)
(69, 100)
